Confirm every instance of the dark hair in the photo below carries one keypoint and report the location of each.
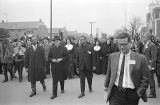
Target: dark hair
(84, 37)
(69, 40)
(124, 35)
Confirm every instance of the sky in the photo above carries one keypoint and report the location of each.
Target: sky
(109, 15)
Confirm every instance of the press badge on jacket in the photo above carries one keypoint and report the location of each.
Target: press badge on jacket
(132, 62)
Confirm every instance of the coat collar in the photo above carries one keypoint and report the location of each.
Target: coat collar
(133, 58)
(116, 61)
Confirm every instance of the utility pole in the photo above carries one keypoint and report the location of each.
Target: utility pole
(125, 13)
(51, 19)
(91, 27)
(97, 32)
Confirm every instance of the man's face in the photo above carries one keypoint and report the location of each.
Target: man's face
(34, 41)
(124, 45)
(57, 42)
(82, 40)
(45, 41)
(144, 38)
(19, 44)
(108, 41)
(115, 40)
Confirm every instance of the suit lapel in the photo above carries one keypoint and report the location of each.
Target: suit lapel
(116, 63)
(131, 66)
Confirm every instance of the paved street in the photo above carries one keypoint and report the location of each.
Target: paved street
(15, 93)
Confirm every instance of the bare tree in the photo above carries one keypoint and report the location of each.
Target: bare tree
(135, 25)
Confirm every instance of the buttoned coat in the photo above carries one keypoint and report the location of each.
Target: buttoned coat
(84, 57)
(58, 69)
(139, 73)
(35, 61)
(151, 54)
(6, 57)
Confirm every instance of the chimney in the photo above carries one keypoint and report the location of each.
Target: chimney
(2, 21)
(40, 20)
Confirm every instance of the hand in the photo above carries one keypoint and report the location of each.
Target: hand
(54, 60)
(59, 60)
(105, 89)
(26, 69)
(77, 70)
(94, 68)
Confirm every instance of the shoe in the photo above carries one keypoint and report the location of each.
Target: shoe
(20, 80)
(81, 95)
(90, 90)
(4, 81)
(44, 88)
(32, 94)
(158, 85)
(151, 96)
(62, 91)
(53, 97)
(14, 76)
(11, 78)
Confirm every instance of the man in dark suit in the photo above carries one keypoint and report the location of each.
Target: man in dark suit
(84, 65)
(127, 76)
(35, 63)
(6, 52)
(58, 57)
(150, 51)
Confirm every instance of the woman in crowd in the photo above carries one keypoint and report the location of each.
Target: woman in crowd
(70, 67)
(97, 59)
(106, 50)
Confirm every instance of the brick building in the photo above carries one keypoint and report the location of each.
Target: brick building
(56, 31)
(27, 29)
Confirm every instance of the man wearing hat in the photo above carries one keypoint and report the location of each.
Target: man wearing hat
(35, 63)
(58, 56)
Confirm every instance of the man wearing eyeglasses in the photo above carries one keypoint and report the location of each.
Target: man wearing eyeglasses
(127, 76)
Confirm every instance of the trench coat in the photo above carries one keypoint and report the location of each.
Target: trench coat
(7, 56)
(35, 61)
(58, 69)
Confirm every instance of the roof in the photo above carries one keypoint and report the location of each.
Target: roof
(56, 30)
(72, 32)
(21, 25)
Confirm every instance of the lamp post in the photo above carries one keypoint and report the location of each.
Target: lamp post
(51, 19)
(91, 23)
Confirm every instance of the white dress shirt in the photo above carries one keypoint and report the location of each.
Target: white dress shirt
(146, 45)
(34, 47)
(127, 82)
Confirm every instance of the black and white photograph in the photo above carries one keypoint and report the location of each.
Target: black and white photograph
(79, 52)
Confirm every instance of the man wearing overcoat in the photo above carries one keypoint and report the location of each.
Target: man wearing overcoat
(35, 63)
(58, 56)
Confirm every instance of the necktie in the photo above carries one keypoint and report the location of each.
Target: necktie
(121, 73)
(35, 47)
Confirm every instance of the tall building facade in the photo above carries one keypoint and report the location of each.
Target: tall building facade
(153, 18)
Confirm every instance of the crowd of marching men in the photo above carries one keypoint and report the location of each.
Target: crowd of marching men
(12, 55)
